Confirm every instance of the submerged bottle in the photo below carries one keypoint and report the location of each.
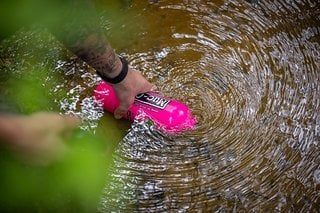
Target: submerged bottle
(167, 114)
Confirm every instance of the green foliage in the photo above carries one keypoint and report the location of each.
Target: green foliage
(75, 181)
(72, 184)
(18, 13)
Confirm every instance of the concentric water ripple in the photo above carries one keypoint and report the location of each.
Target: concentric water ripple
(250, 72)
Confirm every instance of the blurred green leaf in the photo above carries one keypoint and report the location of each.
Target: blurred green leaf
(75, 182)
(72, 184)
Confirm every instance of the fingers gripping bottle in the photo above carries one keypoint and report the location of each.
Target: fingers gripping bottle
(169, 115)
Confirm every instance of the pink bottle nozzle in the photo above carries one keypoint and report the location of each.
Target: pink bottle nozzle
(169, 115)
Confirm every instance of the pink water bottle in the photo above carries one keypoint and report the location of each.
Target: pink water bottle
(169, 115)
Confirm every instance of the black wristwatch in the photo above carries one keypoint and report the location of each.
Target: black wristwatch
(123, 73)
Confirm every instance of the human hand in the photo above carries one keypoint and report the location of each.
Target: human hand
(133, 84)
(39, 137)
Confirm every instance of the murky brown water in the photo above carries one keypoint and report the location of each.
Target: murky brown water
(250, 71)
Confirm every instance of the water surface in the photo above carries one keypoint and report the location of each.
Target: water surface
(249, 70)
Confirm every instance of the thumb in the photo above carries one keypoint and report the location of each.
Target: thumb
(121, 111)
(123, 108)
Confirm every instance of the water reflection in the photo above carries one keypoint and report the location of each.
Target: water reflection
(249, 70)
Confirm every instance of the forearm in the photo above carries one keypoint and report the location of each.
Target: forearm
(78, 29)
(97, 52)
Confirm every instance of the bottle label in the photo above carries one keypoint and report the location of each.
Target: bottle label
(152, 100)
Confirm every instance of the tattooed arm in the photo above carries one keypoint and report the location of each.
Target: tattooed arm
(98, 53)
(82, 35)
